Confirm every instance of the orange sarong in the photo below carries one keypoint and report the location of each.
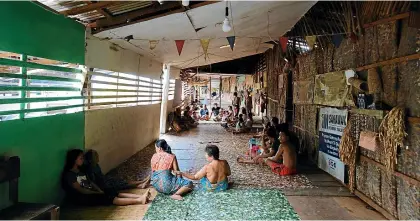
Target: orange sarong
(282, 170)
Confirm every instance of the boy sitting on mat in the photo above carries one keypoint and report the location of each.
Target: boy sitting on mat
(286, 153)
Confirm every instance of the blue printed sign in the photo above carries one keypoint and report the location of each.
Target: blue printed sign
(332, 122)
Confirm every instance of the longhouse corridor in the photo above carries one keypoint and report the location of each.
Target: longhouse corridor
(119, 110)
(257, 193)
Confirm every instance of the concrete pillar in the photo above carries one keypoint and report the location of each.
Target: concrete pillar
(164, 104)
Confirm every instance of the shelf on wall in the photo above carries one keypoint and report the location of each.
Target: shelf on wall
(379, 114)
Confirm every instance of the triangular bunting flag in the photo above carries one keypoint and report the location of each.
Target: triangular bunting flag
(231, 41)
(337, 39)
(205, 46)
(311, 41)
(283, 43)
(179, 45)
(153, 44)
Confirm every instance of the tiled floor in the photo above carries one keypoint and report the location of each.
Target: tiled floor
(313, 194)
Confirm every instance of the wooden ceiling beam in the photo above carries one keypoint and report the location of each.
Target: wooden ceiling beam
(123, 18)
(102, 11)
(143, 14)
(89, 7)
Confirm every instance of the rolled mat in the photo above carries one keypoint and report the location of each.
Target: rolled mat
(374, 81)
(359, 84)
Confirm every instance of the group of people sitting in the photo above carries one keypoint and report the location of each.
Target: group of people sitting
(240, 123)
(182, 121)
(85, 184)
(274, 149)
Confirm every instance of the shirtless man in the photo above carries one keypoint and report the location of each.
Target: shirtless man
(213, 176)
(284, 162)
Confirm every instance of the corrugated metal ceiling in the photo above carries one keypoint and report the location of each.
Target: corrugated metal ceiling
(113, 10)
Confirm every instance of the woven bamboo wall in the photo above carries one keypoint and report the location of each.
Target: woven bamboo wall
(400, 83)
(277, 84)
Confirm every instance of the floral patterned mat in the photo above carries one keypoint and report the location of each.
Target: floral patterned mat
(234, 204)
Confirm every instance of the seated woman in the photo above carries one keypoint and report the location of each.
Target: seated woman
(240, 124)
(204, 111)
(195, 116)
(230, 115)
(247, 126)
(284, 162)
(213, 176)
(94, 173)
(163, 164)
(265, 151)
(263, 132)
(220, 116)
(179, 121)
(244, 113)
(82, 191)
(206, 117)
(188, 119)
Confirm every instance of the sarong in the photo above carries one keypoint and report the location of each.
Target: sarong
(207, 186)
(282, 170)
(165, 182)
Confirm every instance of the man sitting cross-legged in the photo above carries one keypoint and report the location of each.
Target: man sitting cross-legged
(284, 162)
(264, 151)
(213, 176)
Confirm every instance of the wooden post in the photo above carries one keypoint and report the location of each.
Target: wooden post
(220, 91)
(210, 91)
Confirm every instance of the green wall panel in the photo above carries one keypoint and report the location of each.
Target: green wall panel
(27, 28)
(41, 143)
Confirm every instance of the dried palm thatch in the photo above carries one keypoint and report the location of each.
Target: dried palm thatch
(374, 81)
(392, 134)
(348, 151)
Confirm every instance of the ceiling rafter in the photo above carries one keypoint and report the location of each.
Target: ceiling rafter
(133, 14)
(103, 11)
(144, 14)
(89, 7)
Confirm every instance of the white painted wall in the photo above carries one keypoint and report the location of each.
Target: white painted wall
(106, 55)
(118, 133)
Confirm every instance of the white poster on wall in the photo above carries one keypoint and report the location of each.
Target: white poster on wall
(332, 122)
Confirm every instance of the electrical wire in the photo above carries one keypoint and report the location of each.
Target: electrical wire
(231, 17)
(268, 27)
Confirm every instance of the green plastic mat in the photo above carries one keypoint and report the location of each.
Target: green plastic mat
(234, 204)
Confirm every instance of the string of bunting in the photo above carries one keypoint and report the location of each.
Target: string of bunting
(310, 40)
(204, 44)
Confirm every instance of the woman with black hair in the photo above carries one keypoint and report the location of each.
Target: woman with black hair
(163, 164)
(94, 173)
(80, 190)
